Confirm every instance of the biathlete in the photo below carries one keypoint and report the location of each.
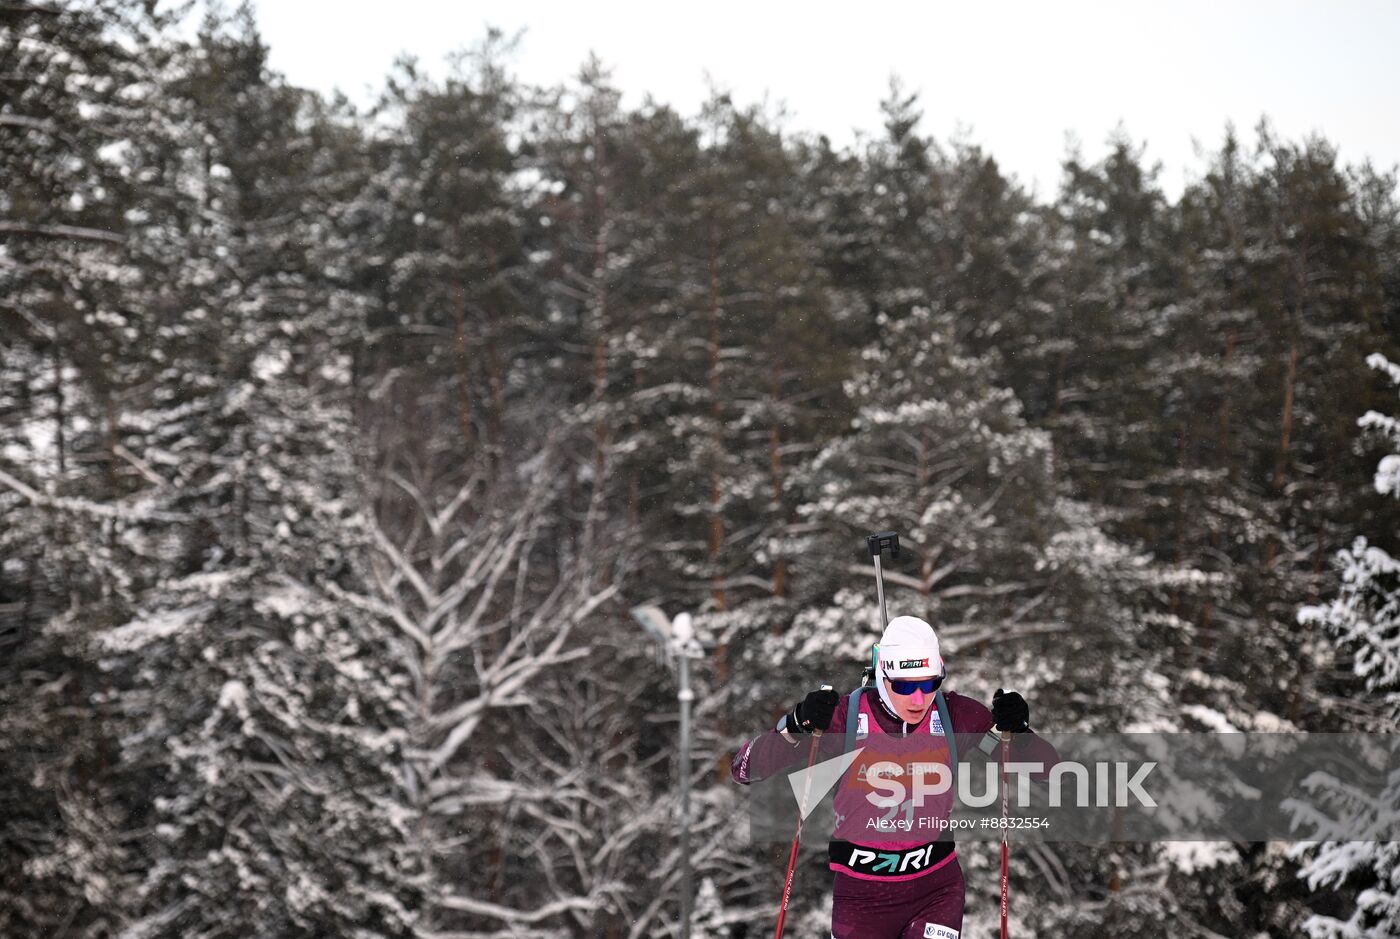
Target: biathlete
(896, 872)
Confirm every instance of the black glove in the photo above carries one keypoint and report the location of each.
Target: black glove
(814, 713)
(1011, 712)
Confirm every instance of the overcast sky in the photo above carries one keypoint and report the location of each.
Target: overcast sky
(1015, 77)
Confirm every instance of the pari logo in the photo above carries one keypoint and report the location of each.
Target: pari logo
(867, 861)
(902, 664)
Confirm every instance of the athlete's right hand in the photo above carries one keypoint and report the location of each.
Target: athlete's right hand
(814, 712)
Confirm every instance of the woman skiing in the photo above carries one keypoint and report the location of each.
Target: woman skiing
(896, 870)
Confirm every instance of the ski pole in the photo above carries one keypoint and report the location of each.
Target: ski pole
(797, 836)
(877, 543)
(1005, 844)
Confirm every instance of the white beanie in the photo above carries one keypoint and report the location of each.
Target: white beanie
(908, 649)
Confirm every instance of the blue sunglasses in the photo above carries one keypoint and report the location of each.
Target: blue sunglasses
(926, 685)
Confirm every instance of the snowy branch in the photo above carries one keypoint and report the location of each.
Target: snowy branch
(69, 232)
(117, 510)
(465, 904)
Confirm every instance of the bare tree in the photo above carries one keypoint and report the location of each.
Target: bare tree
(487, 590)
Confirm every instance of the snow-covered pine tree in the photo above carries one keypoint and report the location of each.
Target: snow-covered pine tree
(1124, 383)
(76, 125)
(898, 238)
(596, 246)
(761, 361)
(1364, 621)
(1312, 307)
(437, 239)
(261, 735)
(940, 453)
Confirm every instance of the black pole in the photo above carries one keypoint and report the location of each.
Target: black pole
(877, 543)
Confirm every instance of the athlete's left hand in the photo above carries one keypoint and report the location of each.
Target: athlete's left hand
(1011, 712)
